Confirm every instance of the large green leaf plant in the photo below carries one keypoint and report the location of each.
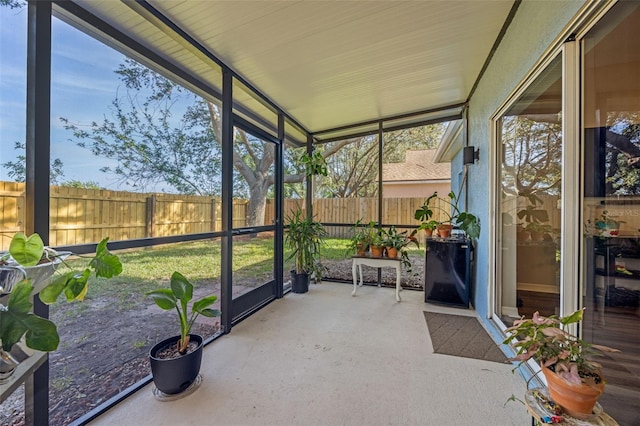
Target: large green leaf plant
(178, 296)
(17, 319)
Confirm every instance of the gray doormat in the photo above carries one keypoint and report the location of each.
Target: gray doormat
(462, 336)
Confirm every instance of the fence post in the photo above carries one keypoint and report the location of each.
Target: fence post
(151, 215)
(214, 214)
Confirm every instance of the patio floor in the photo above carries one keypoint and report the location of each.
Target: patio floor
(326, 358)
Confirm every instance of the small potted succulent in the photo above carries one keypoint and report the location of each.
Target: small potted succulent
(574, 380)
(175, 362)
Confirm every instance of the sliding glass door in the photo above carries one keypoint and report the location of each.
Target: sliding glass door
(611, 204)
(529, 176)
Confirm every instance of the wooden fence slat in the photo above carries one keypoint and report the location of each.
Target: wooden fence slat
(81, 216)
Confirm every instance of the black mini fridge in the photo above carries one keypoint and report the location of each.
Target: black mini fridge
(448, 271)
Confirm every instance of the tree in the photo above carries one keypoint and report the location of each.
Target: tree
(84, 185)
(158, 132)
(161, 132)
(17, 170)
(353, 163)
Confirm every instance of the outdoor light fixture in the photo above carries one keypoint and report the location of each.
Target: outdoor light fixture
(470, 154)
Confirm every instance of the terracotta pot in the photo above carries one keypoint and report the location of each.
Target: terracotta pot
(361, 249)
(577, 400)
(376, 251)
(429, 232)
(444, 230)
(392, 252)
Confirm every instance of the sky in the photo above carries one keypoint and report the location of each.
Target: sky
(83, 84)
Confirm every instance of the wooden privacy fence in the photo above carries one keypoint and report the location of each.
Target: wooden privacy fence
(80, 216)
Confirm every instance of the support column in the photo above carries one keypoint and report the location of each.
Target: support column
(37, 176)
(226, 285)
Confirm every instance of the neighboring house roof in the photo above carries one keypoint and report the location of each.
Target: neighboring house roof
(418, 167)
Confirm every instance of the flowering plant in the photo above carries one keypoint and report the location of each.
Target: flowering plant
(544, 339)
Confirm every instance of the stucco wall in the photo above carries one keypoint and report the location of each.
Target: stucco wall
(408, 190)
(533, 29)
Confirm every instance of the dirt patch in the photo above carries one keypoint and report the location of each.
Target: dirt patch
(104, 350)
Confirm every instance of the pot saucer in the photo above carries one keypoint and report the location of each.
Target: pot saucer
(164, 397)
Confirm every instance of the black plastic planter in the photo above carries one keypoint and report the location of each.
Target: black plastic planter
(172, 376)
(299, 282)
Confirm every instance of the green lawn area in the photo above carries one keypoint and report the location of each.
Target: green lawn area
(148, 268)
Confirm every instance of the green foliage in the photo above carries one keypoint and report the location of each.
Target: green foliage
(156, 117)
(84, 185)
(17, 170)
(545, 340)
(353, 163)
(304, 237)
(27, 251)
(177, 297)
(532, 162)
(75, 283)
(16, 321)
(315, 164)
(466, 221)
(361, 235)
(399, 240)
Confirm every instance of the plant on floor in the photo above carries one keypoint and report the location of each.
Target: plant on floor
(175, 362)
(178, 296)
(563, 358)
(304, 237)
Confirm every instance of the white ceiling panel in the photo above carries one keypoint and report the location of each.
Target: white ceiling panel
(330, 64)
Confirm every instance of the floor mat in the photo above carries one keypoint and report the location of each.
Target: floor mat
(462, 336)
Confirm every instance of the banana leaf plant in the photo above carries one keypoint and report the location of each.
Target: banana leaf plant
(177, 297)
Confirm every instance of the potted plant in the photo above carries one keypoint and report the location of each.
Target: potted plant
(377, 244)
(304, 237)
(175, 362)
(468, 222)
(314, 164)
(25, 270)
(428, 227)
(361, 237)
(396, 243)
(573, 378)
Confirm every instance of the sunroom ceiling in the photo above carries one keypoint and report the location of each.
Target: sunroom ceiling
(328, 64)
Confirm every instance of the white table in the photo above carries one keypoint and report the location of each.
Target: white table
(377, 262)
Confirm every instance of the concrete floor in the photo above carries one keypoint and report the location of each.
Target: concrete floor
(326, 358)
